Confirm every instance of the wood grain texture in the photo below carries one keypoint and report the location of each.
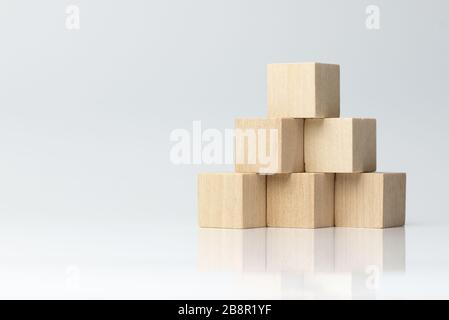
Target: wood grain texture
(370, 200)
(231, 200)
(303, 90)
(300, 200)
(340, 145)
(285, 150)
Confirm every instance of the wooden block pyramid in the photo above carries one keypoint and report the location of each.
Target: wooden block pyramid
(303, 166)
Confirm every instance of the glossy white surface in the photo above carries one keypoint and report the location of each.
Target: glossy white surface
(119, 259)
(91, 205)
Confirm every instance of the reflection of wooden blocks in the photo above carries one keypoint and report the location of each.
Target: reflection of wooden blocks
(232, 250)
(231, 200)
(269, 145)
(300, 250)
(303, 90)
(300, 200)
(340, 145)
(370, 200)
(365, 250)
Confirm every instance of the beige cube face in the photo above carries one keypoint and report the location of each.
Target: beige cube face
(300, 200)
(303, 90)
(370, 200)
(269, 145)
(231, 200)
(340, 145)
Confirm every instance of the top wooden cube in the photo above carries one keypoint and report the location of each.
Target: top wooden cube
(303, 90)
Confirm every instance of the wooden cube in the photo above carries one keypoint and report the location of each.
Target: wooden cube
(300, 200)
(340, 145)
(231, 200)
(269, 145)
(303, 90)
(370, 200)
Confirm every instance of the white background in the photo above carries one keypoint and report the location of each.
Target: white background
(91, 206)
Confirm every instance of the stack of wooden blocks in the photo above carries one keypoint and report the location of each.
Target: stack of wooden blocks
(325, 165)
